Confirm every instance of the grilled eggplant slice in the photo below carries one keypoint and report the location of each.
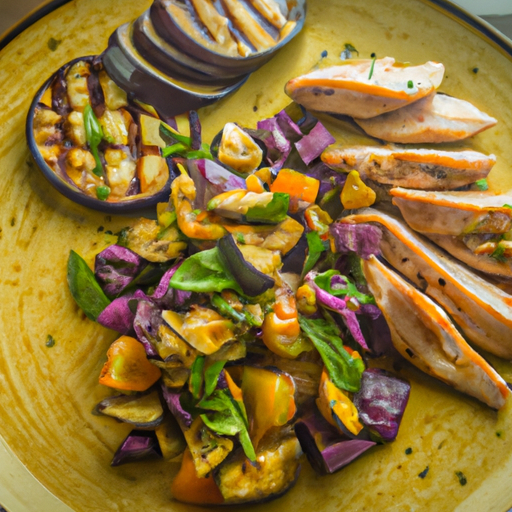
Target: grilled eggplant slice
(142, 411)
(454, 213)
(483, 311)
(275, 472)
(423, 333)
(425, 169)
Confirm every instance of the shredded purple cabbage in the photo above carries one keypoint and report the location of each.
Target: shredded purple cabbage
(140, 444)
(363, 239)
(326, 450)
(381, 402)
(170, 298)
(146, 323)
(172, 398)
(118, 315)
(312, 145)
(116, 267)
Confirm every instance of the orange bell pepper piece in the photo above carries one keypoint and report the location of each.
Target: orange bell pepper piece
(127, 367)
(189, 488)
(298, 185)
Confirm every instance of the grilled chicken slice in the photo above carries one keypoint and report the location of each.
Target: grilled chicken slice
(424, 334)
(482, 310)
(454, 213)
(436, 118)
(365, 88)
(425, 169)
(491, 257)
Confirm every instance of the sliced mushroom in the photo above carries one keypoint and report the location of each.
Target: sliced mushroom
(365, 88)
(425, 169)
(423, 333)
(454, 213)
(436, 118)
(483, 311)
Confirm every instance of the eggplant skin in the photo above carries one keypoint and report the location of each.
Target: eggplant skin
(274, 473)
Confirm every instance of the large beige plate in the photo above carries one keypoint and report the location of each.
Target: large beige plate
(54, 454)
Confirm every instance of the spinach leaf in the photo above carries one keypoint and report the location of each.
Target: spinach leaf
(93, 135)
(342, 287)
(344, 371)
(204, 272)
(85, 289)
(227, 419)
(315, 248)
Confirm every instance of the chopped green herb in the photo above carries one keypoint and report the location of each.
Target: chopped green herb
(408, 451)
(371, 68)
(482, 184)
(102, 192)
(462, 479)
(499, 433)
(410, 84)
(50, 341)
(94, 135)
(315, 248)
(423, 474)
(13, 221)
(196, 212)
(351, 48)
(475, 70)
(507, 206)
(240, 238)
(172, 150)
(53, 43)
(100, 229)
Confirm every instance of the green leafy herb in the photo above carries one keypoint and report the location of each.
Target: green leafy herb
(482, 184)
(423, 474)
(84, 288)
(273, 213)
(344, 371)
(349, 289)
(196, 377)
(227, 419)
(372, 67)
(50, 341)
(410, 84)
(499, 254)
(499, 433)
(175, 148)
(211, 377)
(204, 272)
(94, 136)
(462, 479)
(351, 48)
(408, 451)
(315, 248)
(102, 192)
(173, 137)
(53, 43)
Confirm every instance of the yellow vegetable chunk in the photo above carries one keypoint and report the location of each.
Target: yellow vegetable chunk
(355, 193)
(150, 131)
(238, 149)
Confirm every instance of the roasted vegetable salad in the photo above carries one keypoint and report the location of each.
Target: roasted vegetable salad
(253, 309)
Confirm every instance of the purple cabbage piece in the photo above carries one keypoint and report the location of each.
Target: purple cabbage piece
(328, 177)
(118, 316)
(339, 306)
(172, 398)
(326, 450)
(170, 298)
(363, 239)
(116, 267)
(140, 444)
(312, 145)
(378, 337)
(277, 143)
(146, 323)
(211, 179)
(381, 402)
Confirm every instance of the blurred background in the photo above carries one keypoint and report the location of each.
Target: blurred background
(493, 11)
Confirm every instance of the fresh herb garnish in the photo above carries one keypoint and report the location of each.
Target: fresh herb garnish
(410, 84)
(102, 192)
(371, 68)
(482, 184)
(315, 248)
(211, 377)
(462, 479)
(94, 136)
(53, 43)
(408, 451)
(499, 254)
(50, 341)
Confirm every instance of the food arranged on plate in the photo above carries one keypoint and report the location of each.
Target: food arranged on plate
(254, 308)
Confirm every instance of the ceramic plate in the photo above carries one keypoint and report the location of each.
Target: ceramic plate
(54, 453)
